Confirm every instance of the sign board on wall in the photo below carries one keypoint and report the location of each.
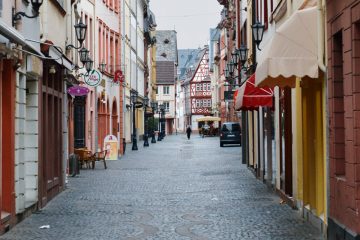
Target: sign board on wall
(119, 77)
(78, 91)
(111, 145)
(93, 79)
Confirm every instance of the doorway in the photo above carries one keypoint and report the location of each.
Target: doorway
(285, 124)
(51, 180)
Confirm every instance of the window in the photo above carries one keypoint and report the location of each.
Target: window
(166, 89)
(200, 86)
(107, 50)
(117, 53)
(100, 44)
(91, 35)
(208, 86)
(266, 14)
(197, 87)
(87, 33)
(111, 63)
(198, 103)
(166, 41)
(157, 90)
(167, 106)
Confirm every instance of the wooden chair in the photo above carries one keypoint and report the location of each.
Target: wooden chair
(85, 156)
(99, 156)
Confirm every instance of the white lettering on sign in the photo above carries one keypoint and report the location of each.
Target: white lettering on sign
(93, 79)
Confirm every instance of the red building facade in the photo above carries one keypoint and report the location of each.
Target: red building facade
(343, 40)
(200, 88)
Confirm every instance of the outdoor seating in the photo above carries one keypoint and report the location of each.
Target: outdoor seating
(100, 156)
(85, 157)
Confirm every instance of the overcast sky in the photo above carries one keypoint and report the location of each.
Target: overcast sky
(191, 19)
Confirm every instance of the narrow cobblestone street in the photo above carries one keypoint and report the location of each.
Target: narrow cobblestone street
(175, 189)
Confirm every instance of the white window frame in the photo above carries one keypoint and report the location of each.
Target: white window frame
(167, 106)
(198, 103)
(166, 90)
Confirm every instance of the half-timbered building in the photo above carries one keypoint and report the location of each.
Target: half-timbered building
(197, 89)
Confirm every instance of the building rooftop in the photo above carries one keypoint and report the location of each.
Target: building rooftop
(166, 46)
(187, 60)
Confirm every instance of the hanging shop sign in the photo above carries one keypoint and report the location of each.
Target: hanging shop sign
(93, 79)
(111, 145)
(78, 91)
(119, 77)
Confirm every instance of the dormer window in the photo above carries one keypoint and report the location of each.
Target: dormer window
(163, 55)
(166, 41)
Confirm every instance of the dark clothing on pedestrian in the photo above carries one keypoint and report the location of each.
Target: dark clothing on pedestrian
(188, 132)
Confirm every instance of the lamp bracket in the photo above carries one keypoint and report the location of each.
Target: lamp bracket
(16, 16)
(68, 47)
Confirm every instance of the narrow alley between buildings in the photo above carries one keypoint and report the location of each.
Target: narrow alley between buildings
(176, 189)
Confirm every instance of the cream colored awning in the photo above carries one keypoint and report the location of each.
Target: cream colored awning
(291, 52)
(208, 119)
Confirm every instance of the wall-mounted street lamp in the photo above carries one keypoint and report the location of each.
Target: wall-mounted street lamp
(80, 31)
(231, 67)
(235, 57)
(89, 64)
(243, 54)
(102, 66)
(154, 106)
(227, 74)
(146, 135)
(35, 6)
(84, 55)
(258, 32)
(133, 98)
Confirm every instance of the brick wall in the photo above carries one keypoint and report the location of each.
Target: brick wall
(343, 43)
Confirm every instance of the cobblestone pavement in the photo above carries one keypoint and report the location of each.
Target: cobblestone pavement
(175, 189)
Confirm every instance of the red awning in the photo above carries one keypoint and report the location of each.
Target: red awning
(249, 97)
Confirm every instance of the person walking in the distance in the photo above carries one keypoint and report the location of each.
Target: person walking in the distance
(188, 132)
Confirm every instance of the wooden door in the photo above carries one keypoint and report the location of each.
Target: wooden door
(79, 121)
(7, 148)
(51, 181)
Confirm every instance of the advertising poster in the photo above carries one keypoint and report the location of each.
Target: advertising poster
(111, 145)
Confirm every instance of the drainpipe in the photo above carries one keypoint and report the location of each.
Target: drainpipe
(321, 44)
(321, 47)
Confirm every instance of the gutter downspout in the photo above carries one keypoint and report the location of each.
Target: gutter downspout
(321, 47)
(320, 24)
